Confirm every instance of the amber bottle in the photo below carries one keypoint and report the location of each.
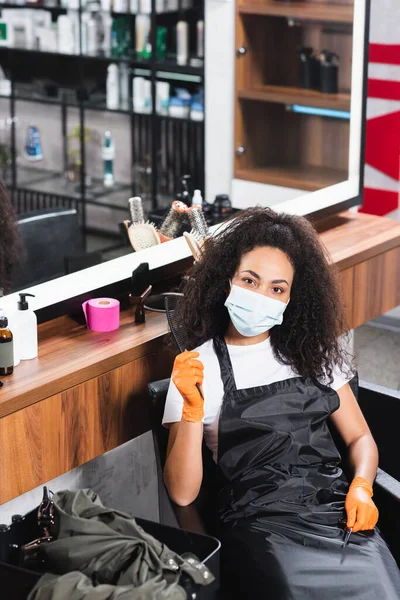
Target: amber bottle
(6, 347)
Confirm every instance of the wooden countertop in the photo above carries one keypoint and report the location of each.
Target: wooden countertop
(70, 354)
(351, 238)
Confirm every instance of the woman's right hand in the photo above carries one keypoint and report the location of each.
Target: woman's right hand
(187, 372)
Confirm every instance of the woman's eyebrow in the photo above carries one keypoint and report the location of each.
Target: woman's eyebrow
(279, 281)
(252, 273)
(256, 276)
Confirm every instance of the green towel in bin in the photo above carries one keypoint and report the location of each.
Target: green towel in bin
(103, 554)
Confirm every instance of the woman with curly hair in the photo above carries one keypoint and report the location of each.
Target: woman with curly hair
(264, 317)
(10, 243)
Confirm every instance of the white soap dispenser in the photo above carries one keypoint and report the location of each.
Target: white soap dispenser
(27, 329)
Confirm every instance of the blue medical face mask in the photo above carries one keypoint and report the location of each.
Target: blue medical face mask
(251, 313)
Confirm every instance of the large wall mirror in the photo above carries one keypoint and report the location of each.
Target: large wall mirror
(284, 127)
(298, 107)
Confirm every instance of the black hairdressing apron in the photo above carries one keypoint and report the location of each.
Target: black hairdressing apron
(282, 498)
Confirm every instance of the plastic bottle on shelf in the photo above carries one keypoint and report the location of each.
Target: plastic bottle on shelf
(145, 7)
(66, 40)
(148, 105)
(138, 94)
(134, 6)
(108, 157)
(84, 31)
(121, 6)
(200, 39)
(162, 96)
(197, 111)
(92, 47)
(113, 99)
(142, 33)
(107, 28)
(197, 199)
(124, 85)
(182, 42)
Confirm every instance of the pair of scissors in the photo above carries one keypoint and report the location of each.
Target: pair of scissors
(348, 532)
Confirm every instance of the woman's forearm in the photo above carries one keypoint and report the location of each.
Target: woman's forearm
(183, 472)
(363, 457)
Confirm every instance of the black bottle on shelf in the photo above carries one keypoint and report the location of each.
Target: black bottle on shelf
(329, 72)
(309, 68)
(186, 192)
(222, 207)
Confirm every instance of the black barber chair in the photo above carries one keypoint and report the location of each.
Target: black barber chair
(380, 407)
(48, 237)
(199, 517)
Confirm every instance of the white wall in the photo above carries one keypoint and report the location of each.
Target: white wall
(219, 91)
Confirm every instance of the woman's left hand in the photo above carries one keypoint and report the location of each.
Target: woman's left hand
(362, 514)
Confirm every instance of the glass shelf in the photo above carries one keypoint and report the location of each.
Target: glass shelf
(50, 182)
(42, 6)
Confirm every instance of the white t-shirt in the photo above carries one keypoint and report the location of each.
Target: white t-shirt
(252, 365)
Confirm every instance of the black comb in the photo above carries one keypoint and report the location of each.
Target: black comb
(178, 330)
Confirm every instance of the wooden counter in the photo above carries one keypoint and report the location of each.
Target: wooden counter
(86, 392)
(70, 354)
(84, 395)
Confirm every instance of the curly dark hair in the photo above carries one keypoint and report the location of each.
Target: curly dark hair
(10, 242)
(308, 339)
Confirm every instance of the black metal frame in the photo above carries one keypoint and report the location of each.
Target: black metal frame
(82, 64)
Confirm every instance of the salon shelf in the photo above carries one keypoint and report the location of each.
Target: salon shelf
(171, 66)
(163, 67)
(50, 182)
(140, 63)
(57, 9)
(301, 177)
(332, 13)
(293, 95)
(64, 9)
(98, 107)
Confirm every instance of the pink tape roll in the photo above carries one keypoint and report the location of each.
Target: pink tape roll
(102, 314)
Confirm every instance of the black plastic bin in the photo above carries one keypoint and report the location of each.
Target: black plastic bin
(19, 581)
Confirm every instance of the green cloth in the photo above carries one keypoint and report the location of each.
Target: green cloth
(115, 557)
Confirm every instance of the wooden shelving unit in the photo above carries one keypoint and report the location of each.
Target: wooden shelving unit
(274, 145)
(310, 11)
(294, 176)
(291, 95)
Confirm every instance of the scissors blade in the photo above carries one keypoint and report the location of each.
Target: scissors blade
(347, 536)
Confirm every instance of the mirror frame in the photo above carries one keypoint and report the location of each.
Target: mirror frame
(57, 296)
